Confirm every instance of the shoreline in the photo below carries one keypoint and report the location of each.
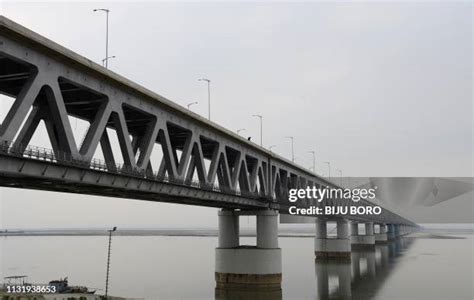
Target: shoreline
(440, 234)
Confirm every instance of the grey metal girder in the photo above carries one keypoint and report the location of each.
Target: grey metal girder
(56, 83)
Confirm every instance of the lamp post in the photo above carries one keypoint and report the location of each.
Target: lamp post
(261, 128)
(292, 147)
(329, 168)
(190, 104)
(108, 262)
(107, 11)
(239, 130)
(314, 160)
(208, 96)
(105, 60)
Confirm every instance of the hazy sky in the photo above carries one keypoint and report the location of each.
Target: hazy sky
(377, 89)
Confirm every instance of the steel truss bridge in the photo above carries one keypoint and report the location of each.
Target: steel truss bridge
(202, 163)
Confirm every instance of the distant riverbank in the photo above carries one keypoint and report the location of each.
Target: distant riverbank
(306, 230)
(142, 232)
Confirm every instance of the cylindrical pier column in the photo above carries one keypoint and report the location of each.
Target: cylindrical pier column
(354, 228)
(390, 232)
(396, 230)
(381, 237)
(228, 229)
(365, 242)
(338, 248)
(321, 229)
(267, 230)
(342, 229)
(369, 228)
(248, 268)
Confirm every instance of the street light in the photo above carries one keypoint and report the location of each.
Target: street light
(271, 146)
(314, 160)
(190, 104)
(239, 130)
(107, 11)
(292, 147)
(329, 168)
(261, 128)
(104, 61)
(108, 261)
(208, 95)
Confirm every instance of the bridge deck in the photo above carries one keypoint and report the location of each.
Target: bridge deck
(201, 162)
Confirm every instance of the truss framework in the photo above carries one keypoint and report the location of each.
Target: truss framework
(51, 84)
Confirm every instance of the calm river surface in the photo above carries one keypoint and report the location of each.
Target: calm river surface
(182, 267)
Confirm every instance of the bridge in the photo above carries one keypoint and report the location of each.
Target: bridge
(201, 164)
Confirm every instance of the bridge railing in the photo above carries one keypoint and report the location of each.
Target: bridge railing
(63, 158)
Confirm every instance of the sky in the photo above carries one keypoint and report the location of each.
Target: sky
(375, 88)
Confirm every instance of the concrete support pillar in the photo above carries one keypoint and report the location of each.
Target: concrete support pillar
(246, 268)
(369, 228)
(354, 228)
(390, 232)
(267, 230)
(406, 229)
(338, 248)
(396, 230)
(321, 229)
(342, 229)
(381, 237)
(228, 236)
(364, 242)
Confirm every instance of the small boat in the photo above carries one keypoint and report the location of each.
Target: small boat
(62, 287)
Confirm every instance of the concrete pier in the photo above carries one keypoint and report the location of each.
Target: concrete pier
(381, 236)
(364, 242)
(396, 230)
(405, 229)
(391, 232)
(338, 248)
(239, 266)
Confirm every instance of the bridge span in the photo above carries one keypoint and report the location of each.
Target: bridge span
(202, 163)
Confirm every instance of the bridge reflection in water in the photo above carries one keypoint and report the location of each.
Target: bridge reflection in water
(363, 276)
(359, 278)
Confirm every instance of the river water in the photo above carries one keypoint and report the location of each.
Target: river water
(182, 267)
